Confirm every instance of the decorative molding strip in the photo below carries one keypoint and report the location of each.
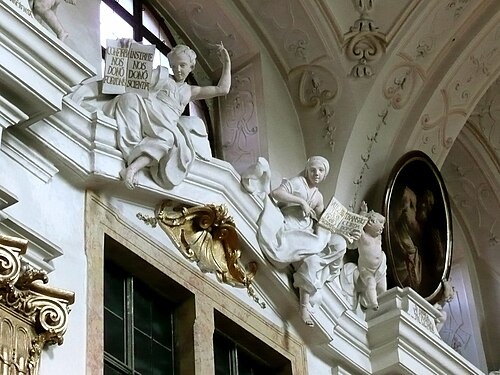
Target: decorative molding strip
(28, 158)
(401, 83)
(41, 251)
(7, 198)
(32, 314)
(9, 115)
(36, 68)
(207, 235)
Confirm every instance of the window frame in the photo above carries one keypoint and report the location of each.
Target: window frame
(110, 233)
(131, 286)
(251, 346)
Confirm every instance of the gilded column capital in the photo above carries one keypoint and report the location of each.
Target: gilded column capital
(32, 313)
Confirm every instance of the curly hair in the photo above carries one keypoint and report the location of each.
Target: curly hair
(183, 49)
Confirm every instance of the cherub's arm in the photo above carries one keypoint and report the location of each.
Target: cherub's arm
(363, 210)
(224, 84)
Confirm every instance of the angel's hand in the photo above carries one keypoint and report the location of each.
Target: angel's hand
(222, 53)
(364, 208)
(125, 42)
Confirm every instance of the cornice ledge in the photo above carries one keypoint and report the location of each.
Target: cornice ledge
(36, 69)
(404, 327)
(7, 198)
(40, 251)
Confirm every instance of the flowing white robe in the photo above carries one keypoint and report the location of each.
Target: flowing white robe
(287, 237)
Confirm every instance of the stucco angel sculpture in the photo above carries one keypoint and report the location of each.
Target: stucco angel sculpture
(366, 280)
(288, 233)
(152, 133)
(148, 135)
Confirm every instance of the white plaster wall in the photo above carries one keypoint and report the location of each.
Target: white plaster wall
(284, 136)
(82, 23)
(55, 210)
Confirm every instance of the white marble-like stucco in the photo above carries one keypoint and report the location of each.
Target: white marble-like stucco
(50, 198)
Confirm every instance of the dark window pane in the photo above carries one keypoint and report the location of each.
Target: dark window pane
(114, 337)
(114, 291)
(162, 361)
(142, 353)
(222, 354)
(142, 311)
(108, 370)
(162, 324)
(248, 365)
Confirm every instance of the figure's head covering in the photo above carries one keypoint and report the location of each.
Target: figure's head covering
(319, 159)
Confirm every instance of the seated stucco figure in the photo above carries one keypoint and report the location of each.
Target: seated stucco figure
(289, 234)
(151, 131)
(368, 279)
(45, 10)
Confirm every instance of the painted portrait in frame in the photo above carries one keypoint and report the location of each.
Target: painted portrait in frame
(418, 234)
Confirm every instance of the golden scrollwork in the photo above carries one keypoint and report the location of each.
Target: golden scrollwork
(32, 314)
(207, 235)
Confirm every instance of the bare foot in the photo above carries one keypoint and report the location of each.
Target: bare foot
(305, 313)
(129, 177)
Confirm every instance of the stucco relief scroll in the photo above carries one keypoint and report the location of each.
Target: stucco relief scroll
(32, 314)
(364, 42)
(486, 117)
(241, 121)
(317, 90)
(447, 110)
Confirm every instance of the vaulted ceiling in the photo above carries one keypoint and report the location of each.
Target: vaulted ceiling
(370, 80)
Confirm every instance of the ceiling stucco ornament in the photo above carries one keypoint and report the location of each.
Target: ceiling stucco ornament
(317, 90)
(364, 43)
(447, 110)
(208, 236)
(402, 82)
(474, 197)
(397, 90)
(486, 119)
(296, 42)
(203, 30)
(32, 314)
(439, 125)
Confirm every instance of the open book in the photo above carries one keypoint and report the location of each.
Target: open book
(127, 68)
(339, 219)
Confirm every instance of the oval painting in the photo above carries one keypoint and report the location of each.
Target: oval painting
(418, 234)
